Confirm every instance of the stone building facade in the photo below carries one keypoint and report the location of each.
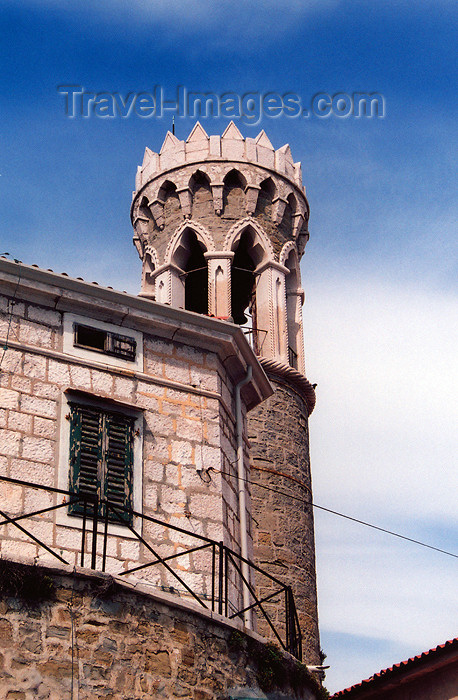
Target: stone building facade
(178, 417)
(179, 395)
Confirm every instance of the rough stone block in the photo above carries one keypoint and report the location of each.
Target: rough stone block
(38, 406)
(35, 334)
(102, 382)
(20, 421)
(43, 427)
(206, 506)
(181, 452)
(9, 398)
(39, 449)
(80, 376)
(35, 366)
(10, 442)
(58, 372)
(33, 471)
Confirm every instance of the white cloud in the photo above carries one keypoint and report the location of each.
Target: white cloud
(384, 430)
(383, 449)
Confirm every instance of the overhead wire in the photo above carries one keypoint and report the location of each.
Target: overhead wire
(341, 515)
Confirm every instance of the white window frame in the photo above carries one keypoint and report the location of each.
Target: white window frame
(70, 348)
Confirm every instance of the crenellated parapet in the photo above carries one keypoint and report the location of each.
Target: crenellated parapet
(231, 146)
(167, 183)
(221, 224)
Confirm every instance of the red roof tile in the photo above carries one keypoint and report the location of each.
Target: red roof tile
(402, 665)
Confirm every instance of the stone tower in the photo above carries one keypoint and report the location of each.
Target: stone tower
(220, 224)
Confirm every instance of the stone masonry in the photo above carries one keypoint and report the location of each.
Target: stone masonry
(97, 639)
(184, 394)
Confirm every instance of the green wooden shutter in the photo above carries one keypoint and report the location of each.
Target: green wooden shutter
(86, 433)
(118, 461)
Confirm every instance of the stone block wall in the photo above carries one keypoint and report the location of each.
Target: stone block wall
(96, 639)
(185, 396)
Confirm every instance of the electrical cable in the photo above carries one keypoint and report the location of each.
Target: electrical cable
(342, 515)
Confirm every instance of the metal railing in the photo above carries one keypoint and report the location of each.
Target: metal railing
(225, 568)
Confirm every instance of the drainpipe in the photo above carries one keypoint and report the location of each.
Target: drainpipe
(241, 487)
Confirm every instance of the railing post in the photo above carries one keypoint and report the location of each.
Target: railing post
(213, 575)
(95, 519)
(287, 620)
(83, 534)
(105, 538)
(220, 578)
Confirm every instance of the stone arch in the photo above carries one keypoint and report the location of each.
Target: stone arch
(150, 263)
(199, 178)
(251, 249)
(166, 190)
(169, 204)
(201, 233)
(153, 256)
(234, 184)
(294, 297)
(266, 195)
(289, 214)
(286, 252)
(189, 267)
(201, 194)
(261, 238)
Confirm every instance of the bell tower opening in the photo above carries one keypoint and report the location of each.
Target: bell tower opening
(196, 280)
(243, 280)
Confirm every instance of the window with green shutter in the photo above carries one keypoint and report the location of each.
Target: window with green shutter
(101, 458)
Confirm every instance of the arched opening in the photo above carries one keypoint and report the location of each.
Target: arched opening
(172, 211)
(290, 210)
(234, 195)
(293, 310)
(189, 257)
(243, 280)
(265, 197)
(202, 202)
(144, 210)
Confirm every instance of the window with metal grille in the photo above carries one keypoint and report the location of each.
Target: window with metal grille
(100, 340)
(101, 458)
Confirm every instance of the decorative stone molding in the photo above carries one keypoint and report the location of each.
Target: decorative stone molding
(292, 376)
(231, 146)
(219, 283)
(278, 209)
(237, 230)
(285, 251)
(202, 234)
(251, 192)
(185, 197)
(217, 194)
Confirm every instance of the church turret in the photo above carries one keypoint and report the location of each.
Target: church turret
(221, 223)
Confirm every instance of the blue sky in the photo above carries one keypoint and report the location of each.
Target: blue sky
(379, 271)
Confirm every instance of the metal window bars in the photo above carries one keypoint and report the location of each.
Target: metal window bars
(225, 567)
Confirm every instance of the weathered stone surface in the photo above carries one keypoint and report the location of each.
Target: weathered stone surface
(128, 646)
(284, 537)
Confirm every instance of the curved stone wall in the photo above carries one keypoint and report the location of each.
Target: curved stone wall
(283, 521)
(98, 639)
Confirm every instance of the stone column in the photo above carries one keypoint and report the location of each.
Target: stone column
(271, 311)
(294, 302)
(219, 283)
(169, 282)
